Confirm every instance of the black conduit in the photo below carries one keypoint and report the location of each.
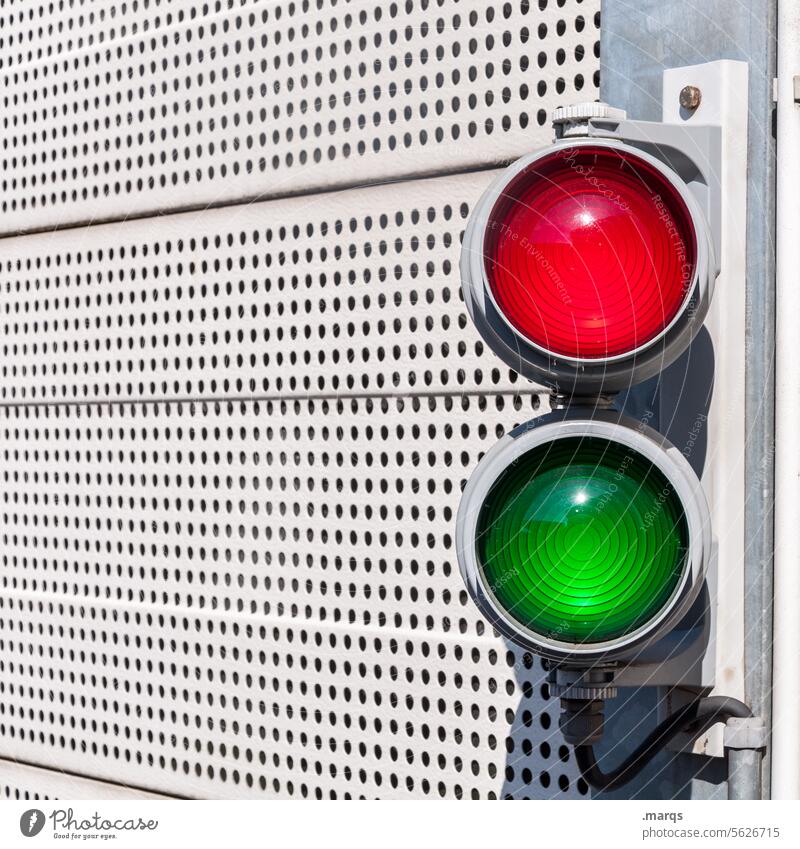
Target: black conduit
(700, 713)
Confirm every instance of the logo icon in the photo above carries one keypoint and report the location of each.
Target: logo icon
(31, 822)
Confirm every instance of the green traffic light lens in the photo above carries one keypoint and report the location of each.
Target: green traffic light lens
(582, 540)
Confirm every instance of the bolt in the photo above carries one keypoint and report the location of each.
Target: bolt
(690, 97)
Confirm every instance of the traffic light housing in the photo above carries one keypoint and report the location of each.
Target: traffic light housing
(590, 267)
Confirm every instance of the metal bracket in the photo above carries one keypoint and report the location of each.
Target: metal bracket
(750, 733)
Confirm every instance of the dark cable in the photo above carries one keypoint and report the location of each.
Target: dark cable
(699, 714)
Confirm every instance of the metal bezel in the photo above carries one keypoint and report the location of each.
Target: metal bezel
(565, 373)
(611, 426)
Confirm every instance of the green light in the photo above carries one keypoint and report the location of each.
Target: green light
(582, 540)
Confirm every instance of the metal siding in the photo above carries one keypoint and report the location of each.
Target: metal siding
(233, 440)
(164, 105)
(229, 599)
(349, 293)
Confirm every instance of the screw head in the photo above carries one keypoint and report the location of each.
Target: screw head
(690, 97)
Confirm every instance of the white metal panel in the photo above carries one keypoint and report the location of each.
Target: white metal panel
(243, 599)
(356, 292)
(20, 781)
(258, 597)
(213, 550)
(112, 110)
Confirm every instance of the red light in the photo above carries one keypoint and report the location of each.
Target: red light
(590, 252)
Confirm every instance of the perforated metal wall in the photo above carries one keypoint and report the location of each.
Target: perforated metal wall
(115, 109)
(236, 599)
(232, 440)
(337, 294)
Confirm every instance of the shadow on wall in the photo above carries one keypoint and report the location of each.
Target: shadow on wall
(539, 765)
(629, 719)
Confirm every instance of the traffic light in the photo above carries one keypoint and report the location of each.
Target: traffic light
(585, 535)
(584, 539)
(588, 266)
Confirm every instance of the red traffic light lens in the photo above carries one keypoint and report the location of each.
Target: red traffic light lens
(590, 252)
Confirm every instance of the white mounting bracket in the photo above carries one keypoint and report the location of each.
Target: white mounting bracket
(724, 102)
(700, 405)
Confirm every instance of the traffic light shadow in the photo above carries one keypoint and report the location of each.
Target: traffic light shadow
(629, 719)
(678, 657)
(683, 396)
(676, 402)
(541, 766)
(670, 774)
